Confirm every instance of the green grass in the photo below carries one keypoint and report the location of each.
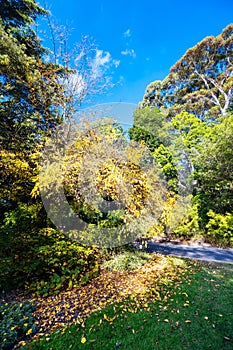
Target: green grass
(197, 314)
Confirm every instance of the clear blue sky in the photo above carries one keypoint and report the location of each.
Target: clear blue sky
(144, 38)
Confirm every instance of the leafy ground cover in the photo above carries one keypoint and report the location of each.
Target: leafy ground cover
(168, 303)
(43, 261)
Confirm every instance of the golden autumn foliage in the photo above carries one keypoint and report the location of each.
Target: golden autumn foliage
(107, 180)
(16, 175)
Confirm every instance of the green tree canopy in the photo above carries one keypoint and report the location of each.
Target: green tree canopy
(29, 87)
(214, 169)
(151, 129)
(201, 82)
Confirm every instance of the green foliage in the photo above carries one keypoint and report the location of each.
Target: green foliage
(16, 224)
(17, 13)
(128, 260)
(164, 157)
(139, 134)
(189, 129)
(46, 262)
(150, 119)
(200, 82)
(188, 226)
(214, 170)
(150, 129)
(23, 217)
(63, 265)
(220, 229)
(30, 86)
(16, 322)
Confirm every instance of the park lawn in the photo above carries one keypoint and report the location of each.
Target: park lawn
(195, 312)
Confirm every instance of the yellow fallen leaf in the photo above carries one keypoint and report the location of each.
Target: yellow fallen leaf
(83, 340)
(29, 332)
(188, 321)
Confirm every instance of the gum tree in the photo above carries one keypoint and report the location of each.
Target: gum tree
(200, 82)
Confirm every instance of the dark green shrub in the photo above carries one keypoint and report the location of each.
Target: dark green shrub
(16, 323)
(46, 262)
(64, 264)
(17, 223)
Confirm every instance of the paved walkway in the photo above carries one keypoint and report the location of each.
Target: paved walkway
(193, 251)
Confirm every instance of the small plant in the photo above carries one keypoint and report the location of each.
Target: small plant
(16, 323)
(129, 260)
(220, 229)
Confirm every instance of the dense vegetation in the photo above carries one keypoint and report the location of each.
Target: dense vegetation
(186, 121)
(172, 174)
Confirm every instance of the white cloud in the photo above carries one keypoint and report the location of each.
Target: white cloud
(129, 52)
(116, 63)
(76, 83)
(101, 59)
(127, 33)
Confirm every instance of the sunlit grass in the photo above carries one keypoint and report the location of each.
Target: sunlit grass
(196, 312)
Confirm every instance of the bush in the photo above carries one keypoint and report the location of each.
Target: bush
(64, 264)
(129, 260)
(220, 229)
(16, 323)
(189, 225)
(17, 223)
(46, 262)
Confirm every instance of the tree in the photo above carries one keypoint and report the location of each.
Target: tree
(201, 82)
(31, 95)
(139, 134)
(84, 64)
(187, 133)
(151, 129)
(151, 119)
(30, 89)
(164, 157)
(38, 89)
(107, 181)
(214, 170)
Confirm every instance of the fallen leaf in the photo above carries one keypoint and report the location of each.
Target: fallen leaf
(83, 340)
(226, 338)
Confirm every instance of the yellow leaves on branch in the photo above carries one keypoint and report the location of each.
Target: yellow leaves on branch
(13, 166)
(100, 163)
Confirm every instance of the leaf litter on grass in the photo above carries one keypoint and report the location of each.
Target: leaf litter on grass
(136, 289)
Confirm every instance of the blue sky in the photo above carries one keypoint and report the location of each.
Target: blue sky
(141, 39)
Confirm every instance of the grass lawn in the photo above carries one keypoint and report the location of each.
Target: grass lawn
(194, 311)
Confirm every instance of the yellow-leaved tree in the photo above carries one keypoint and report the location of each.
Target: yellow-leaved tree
(107, 181)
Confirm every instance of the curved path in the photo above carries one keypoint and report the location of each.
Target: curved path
(192, 251)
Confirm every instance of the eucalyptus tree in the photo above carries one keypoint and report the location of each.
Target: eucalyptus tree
(200, 82)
